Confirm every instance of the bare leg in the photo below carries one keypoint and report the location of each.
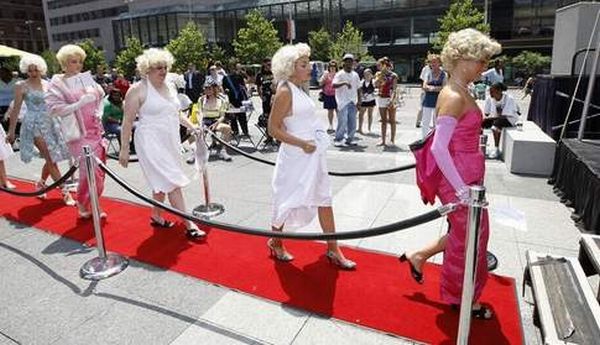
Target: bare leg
(392, 122)
(330, 117)
(3, 179)
(417, 258)
(370, 117)
(176, 199)
(277, 248)
(334, 253)
(50, 167)
(156, 212)
(497, 133)
(383, 114)
(361, 114)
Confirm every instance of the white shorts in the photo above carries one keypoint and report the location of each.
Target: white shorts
(383, 102)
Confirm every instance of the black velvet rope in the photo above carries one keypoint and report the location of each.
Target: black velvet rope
(331, 173)
(116, 157)
(57, 183)
(380, 230)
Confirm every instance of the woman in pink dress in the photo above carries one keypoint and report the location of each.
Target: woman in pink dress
(75, 94)
(326, 83)
(455, 151)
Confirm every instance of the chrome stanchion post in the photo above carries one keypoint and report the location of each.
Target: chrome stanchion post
(209, 209)
(476, 204)
(104, 265)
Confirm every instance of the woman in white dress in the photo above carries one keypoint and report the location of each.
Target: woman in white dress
(155, 103)
(5, 152)
(301, 187)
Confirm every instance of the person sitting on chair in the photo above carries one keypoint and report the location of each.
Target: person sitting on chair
(211, 111)
(500, 111)
(112, 116)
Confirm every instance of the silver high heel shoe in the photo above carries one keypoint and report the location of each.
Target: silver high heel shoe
(279, 253)
(342, 263)
(39, 185)
(67, 198)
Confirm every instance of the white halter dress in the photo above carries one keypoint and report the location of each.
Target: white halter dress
(157, 141)
(300, 181)
(5, 148)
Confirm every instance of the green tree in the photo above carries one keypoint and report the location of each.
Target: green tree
(531, 63)
(125, 61)
(461, 15)
(320, 43)
(50, 57)
(257, 40)
(188, 47)
(94, 55)
(349, 40)
(10, 62)
(217, 53)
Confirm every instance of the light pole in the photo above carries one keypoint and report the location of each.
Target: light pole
(129, 14)
(291, 26)
(28, 23)
(485, 12)
(39, 29)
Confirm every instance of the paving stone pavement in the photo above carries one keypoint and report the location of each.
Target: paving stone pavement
(43, 300)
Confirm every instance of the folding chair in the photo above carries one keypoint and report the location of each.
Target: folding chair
(263, 136)
(113, 143)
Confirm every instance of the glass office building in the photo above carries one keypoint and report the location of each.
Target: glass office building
(400, 29)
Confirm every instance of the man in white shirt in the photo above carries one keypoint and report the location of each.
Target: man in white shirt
(347, 93)
(500, 111)
(494, 75)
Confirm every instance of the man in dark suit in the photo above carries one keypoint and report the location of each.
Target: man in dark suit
(193, 83)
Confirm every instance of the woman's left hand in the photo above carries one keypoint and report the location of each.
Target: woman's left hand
(309, 146)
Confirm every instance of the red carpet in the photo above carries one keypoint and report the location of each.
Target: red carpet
(380, 294)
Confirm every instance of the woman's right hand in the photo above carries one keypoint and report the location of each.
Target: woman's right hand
(10, 138)
(309, 146)
(124, 157)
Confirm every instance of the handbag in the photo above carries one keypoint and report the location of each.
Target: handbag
(427, 171)
(321, 96)
(69, 126)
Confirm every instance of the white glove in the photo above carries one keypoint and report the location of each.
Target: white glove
(85, 99)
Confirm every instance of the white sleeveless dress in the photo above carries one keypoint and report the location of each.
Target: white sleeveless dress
(300, 181)
(157, 141)
(5, 148)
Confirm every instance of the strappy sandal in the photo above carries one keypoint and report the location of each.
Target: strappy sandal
(482, 313)
(163, 223)
(195, 233)
(417, 276)
(39, 185)
(67, 198)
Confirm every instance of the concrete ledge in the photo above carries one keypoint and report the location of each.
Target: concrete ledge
(528, 151)
(567, 310)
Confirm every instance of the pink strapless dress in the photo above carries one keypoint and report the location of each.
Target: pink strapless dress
(470, 163)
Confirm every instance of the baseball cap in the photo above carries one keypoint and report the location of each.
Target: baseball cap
(348, 56)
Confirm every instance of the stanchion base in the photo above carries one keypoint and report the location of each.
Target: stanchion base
(210, 210)
(98, 268)
(492, 261)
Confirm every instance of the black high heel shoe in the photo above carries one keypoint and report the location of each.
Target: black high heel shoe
(417, 276)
